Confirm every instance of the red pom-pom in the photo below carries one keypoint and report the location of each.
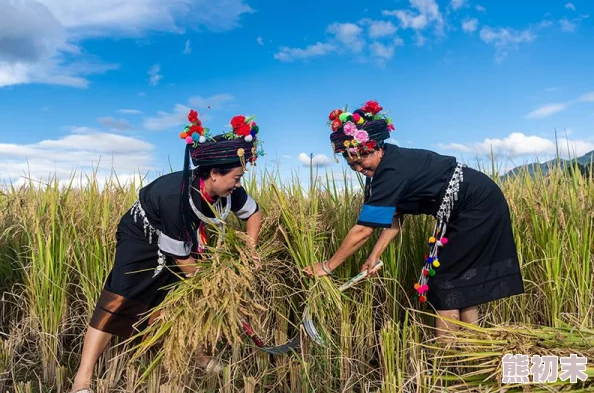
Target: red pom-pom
(243, 130)
(372, 106)
(336, 124)
(193, 116)
(197, 129)
(334, 114)
(237, 121)
(422, 298)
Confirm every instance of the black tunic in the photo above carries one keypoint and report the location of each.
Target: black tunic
(480, 262)
(136, 284)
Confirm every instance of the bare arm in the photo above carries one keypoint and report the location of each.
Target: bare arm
(187, 266)
(253, 225)
(386, 237)
(356, 237)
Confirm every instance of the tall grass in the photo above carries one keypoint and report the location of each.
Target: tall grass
(57, 244)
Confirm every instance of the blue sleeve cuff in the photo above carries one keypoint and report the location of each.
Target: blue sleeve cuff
(376, 216)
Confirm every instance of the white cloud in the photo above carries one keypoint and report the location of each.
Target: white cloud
(291, 54)
(567, 25)
(215, 102)
(506, 39)
(350, 37)
(518, 144)
(408, 20)
(456, 4)
(260, 40)
(40, 40)
(83, 151)
(83, 130)
(547, 110)
(469, 25)
(382, 51)
(130, 111)
(179, 115)
(378, 29)
(133, 17)
(480, 8)
(115, 124)
(425, 14)
(348, 34)
(319, 160)
(187, 48)
(588, 97)
(570, 6)
(165, 120)
(154, 76)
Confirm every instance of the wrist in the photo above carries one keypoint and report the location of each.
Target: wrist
(191, 274)
(326, 267)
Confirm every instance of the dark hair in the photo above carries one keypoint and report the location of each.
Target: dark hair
(203, 172)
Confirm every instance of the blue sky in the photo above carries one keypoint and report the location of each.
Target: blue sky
(111, 82)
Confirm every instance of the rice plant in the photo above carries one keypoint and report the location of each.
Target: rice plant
(57, 244)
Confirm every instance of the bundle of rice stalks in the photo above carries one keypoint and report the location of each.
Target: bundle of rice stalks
(205, 311)
(471, 359)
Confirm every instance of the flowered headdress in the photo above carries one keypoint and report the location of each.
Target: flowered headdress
(361, 131)
(238, 147)
(234, 148)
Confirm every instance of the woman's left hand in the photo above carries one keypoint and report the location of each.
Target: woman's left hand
(317, 269)
(256, 260)
(369, 265)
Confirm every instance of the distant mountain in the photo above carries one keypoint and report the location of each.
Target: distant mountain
(584, 163)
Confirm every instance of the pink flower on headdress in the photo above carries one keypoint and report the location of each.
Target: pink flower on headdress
(350, 129)
(362, 136)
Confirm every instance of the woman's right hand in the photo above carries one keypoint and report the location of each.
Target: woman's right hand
(315, 269)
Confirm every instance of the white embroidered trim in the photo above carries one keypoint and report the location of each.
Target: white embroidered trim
(248, 208)
(172, 246)
(149, 230)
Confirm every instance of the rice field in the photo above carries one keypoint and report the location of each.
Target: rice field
(57, 245)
